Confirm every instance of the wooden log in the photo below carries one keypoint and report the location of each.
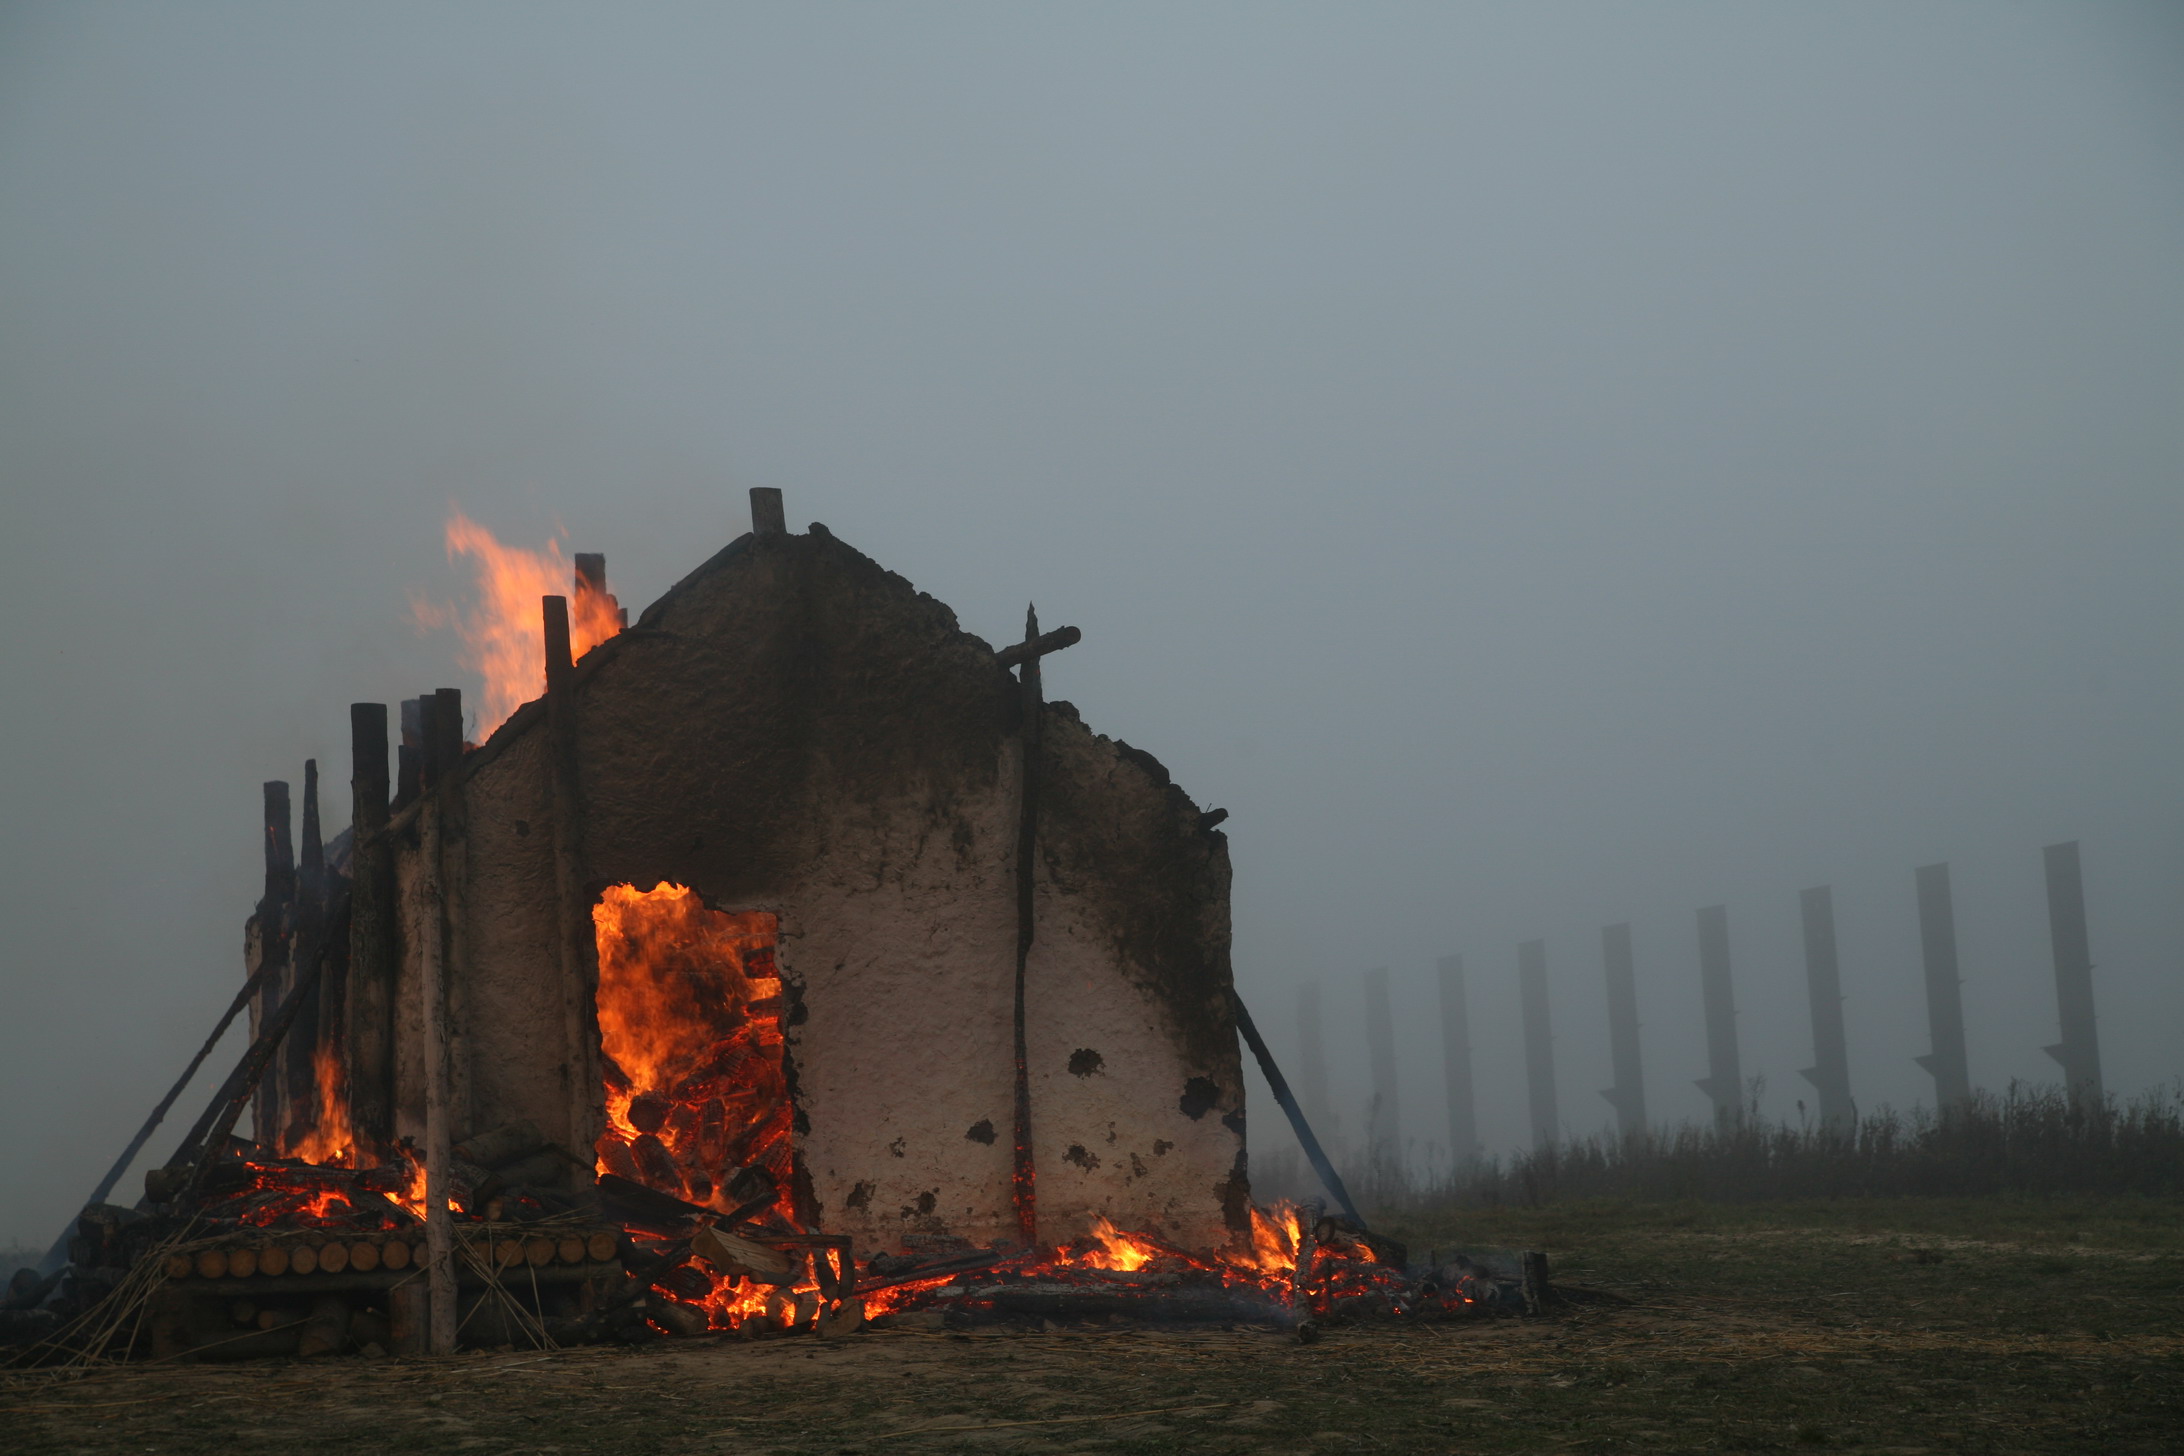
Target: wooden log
(409, 1318)
(538, 1250)
(507, 1252)
(1032, 709)
(394, 1254)
(570, 1249)
(364, 1256)
(212, 1263)
(333, 1257)
(1046, 642)
(273, 1260)
(684, 1320)
(326, 1330)
(266, 1319)
(180, 1266)
(601, 1246)
(297, 1066)
(270, 929)
(504, 1144)
(303, 1259)
(242, 1263)
(731, 1253)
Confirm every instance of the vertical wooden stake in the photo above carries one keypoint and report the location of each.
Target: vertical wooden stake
(2079, 1051)
(1628, 1095)
(1312, 1061)
(438, 771)
(274, 931)
(368, 1020)
(299, 1053)
(1830, 1069)
(577, 941)
(1539, 1044)
(1383, 1124)
(1025, 1182)
(1463, 1118)
(1724, 1079)
(1944, 990)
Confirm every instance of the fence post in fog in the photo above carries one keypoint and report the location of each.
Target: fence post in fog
(1724, 1079)
(1312, 1060)
(1383, 1128)
(1539, 1043)
(1463, 1118)
(1830, 1069)
(2080, 1049)
(1628, 1095)
(1944, 1000)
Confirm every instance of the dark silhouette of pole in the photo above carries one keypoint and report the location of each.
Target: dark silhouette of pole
(1383, 1125)
(2080, 1049)
(1724, 1080)
(1463, 1117)
(1830, 1069)
(1628, 1095)
(1944, 998)
(1539, 1043)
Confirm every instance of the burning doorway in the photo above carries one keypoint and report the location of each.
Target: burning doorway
(694, 1063)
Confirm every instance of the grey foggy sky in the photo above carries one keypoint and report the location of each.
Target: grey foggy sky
(1536, 465)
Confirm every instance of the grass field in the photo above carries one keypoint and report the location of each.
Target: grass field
(1882, 1326)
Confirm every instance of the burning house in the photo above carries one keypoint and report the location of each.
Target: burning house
(789, 958)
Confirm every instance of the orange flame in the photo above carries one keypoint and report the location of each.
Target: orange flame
(501, 633)
(329, 1142)
(690, 1021)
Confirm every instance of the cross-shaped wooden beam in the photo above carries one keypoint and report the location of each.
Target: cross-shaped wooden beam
(1025, 656)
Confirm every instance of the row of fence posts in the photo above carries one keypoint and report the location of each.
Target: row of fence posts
(2078, 1052)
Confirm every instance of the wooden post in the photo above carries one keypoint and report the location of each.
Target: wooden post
(2079, 1051)
(1944, 996)
(1539, 1044)
(1383, 1120)
(299, 1053)
(1724, 1079)
(409, 753)
(767, 515)
(273, 932)
(1830, 1069)
(1463, 1119)
(368, 1022)
(577, 941)
(1033, 705)
(1628, 1095)
(438, 773)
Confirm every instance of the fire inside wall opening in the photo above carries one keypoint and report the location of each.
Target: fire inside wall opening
(690, 1030)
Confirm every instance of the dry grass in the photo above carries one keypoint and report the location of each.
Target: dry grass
(1942, 1326)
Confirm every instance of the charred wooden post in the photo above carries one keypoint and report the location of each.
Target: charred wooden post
(592, 596)
(2079, 1052)
(299, 1053)
(577, 943)
(1463, 1117)
(767, 515)
(1724, 1079)
(1944, 994)
(1027, 838)
(1539, 1044)
(410, 753)
(1287, 1100)
(440, 761)
(368, 1019)
(1383, 1122)
(1830, 1069)
(268, 941)
(1628, 1095)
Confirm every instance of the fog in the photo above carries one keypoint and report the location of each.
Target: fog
(1536, 466)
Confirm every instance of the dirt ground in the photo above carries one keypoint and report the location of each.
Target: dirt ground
(1883, 1327)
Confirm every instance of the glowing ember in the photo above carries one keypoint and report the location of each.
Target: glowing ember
(501, 632)
(690, 1009)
